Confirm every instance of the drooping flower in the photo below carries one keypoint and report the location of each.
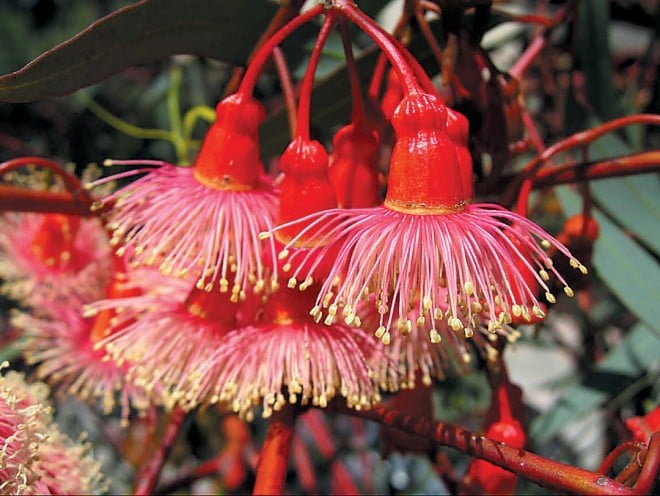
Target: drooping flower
(202, 221)
(427, 248)
(162, 337)
(287, 357)
(35, 457)
(62, 342)
(52, 256)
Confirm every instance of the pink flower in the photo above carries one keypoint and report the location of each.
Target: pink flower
(163, 336)
(53, 256)
(36, 458)
(427, 249)
(287, 359)
(204, 220)
(61, 342)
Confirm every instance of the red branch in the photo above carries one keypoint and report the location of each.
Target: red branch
(274, 456)
(638, 163)
(17, 199)
(148, 475)
(545, 472)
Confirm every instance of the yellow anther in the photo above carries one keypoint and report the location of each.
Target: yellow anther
(427, 303)
(435, 336)
(283, 254)
(544, 275)
(550, 297)
(569, 292)
(536, 310)
(380, 332)
(292, 283)
(405, 326)
(455, 323)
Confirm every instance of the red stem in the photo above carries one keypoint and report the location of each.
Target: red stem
(71, 182)
(582, 138)
(649, 471)
(287, 88)
(274, 456)
(613, 455)
(356, 92)
(639, 163)
(543, 471)
(261, 56)
(284, 14)
(148, 474)
(383, 39)
(381, 64)
(17, 199)
(305, 102)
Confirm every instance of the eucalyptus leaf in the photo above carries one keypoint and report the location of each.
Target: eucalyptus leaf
(630, 360)
(147, 31)
(629, 271)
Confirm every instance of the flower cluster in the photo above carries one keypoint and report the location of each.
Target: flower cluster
(36, 458)
(230, 286)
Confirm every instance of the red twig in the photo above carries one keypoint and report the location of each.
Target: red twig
(543, 471)
(17, 199)
(613, 455)
(274, 456)
(71, 182)
(148, 474)
(649, 472)
(582, 138)
(638, 163)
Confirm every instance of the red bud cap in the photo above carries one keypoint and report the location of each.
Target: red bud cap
(392, 95)
(306, 187)
(353, 167)
(424, 170)
(229, 157)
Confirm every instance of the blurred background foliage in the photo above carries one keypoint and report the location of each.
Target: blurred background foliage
(583, 372)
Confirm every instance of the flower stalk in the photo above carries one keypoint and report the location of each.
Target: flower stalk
(274, 456)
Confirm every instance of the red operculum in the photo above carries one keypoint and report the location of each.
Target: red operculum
(353, 170)
(424, 170)
(117, 288)
(458, 130)
(229, 156)
(306, 187)
(54, 242)
(392, 95)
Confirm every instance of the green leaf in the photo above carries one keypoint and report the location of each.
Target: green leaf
(631, 201)
(629, 271)
(147, 31)
(593, 56)
(628, 361)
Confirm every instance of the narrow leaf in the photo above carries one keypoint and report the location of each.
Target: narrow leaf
(629, 271)
(147, 31)
(637, 353)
